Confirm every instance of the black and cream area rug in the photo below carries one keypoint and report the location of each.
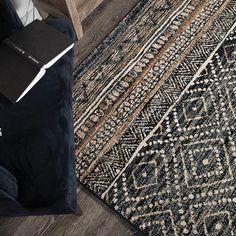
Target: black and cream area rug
(155, 118)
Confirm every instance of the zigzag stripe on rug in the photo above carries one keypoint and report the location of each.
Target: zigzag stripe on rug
(155, 135)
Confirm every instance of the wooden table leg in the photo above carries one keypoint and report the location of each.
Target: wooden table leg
(71, 5)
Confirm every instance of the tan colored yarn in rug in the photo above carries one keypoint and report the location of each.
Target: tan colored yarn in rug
(155, 118)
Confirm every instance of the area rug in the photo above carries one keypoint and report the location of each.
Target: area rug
(155, 115)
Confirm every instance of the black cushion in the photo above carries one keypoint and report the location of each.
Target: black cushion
(8, 183)
(9, 20)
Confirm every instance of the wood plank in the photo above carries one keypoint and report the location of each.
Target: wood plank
(99, 24)
(75, 17)
(85, 7)
(94, 219)
(47, 7)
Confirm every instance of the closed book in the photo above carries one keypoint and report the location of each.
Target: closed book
(26, 55)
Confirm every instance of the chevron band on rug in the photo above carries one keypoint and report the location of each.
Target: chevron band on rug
(162, 100)
(155, 131)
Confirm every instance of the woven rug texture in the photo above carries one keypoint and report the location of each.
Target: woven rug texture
(155, 118)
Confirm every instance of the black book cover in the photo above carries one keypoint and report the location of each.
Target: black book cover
(25, 55)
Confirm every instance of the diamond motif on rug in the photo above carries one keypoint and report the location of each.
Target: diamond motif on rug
(157, 143)
(146, 175)
(197, 149)
(205, 163)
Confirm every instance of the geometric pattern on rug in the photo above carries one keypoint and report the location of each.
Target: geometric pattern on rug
(182, 179)
(146, 142)
(122, 109)
(124, 42)
(115, 159)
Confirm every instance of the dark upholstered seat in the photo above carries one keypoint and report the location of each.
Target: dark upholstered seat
(37, 170)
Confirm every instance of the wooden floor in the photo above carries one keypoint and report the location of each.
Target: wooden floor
(94, 217)
(100, 24)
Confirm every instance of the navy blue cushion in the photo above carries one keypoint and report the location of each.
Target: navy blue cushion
(9, 20)
(8, 183)
(37, 146)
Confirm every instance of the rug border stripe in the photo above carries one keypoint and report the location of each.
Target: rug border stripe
(169, 110)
